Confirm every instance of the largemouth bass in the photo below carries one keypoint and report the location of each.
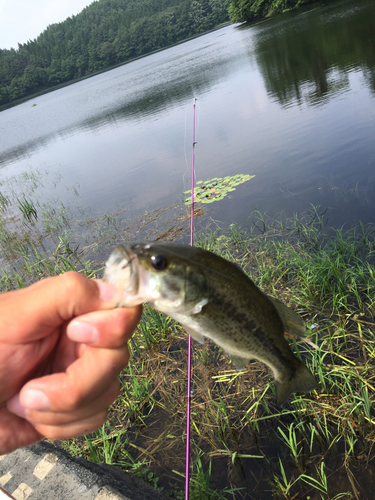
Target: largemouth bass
(213, 298)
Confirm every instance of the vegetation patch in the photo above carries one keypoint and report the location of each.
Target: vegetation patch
(249, 10)
(216, 189)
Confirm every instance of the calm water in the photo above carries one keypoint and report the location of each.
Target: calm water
(291, 100)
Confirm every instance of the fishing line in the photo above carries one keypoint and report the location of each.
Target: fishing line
(187, 469)
(192, 180)
(186, 182)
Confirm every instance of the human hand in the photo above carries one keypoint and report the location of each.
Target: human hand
(62, 345)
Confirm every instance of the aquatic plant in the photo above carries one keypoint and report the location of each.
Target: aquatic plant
(217, 188)
(28, 210)
(4, 201)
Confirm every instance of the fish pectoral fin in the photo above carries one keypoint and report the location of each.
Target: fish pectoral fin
(239, 363)
(198, 307)
(292, 322)
(195, 335)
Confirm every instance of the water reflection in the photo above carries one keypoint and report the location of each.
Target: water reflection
(307, 58)
(158, 98)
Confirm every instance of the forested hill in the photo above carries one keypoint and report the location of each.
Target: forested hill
(103, 34)
(109, 32)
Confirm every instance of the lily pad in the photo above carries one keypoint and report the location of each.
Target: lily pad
(217, 188)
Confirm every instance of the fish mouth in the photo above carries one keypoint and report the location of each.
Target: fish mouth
(122, 270)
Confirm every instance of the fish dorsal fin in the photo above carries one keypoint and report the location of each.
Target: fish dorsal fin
(292, 322)
(195, 335)
(239, 363)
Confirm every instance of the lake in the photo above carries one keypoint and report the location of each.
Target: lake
(290, 100)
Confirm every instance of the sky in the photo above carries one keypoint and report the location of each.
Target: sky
(23, 20)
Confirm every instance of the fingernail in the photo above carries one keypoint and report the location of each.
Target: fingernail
(15, 406)
(32, 399)
(107, 291)
(79, 331)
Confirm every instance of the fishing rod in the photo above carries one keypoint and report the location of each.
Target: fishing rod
(187, 473)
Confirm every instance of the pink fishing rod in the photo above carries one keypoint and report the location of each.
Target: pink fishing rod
(189, 341)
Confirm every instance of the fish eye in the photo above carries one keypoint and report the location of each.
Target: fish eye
(159, 262)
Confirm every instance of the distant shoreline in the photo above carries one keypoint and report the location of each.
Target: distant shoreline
(104, 70)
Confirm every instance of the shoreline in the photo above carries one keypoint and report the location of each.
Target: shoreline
(104, 70)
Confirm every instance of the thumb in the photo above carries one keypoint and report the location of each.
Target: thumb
(31, 313)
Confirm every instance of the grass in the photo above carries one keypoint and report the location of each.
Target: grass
(318, 446)
(28, 210)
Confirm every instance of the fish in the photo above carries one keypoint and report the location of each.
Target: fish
(213, 298)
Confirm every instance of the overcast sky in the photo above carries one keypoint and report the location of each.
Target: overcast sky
(23, 20)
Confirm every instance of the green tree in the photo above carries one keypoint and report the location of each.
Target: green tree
(241, 11)
(103, 34)
(34, 78)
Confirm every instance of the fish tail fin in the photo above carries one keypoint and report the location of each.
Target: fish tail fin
(302, 381)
